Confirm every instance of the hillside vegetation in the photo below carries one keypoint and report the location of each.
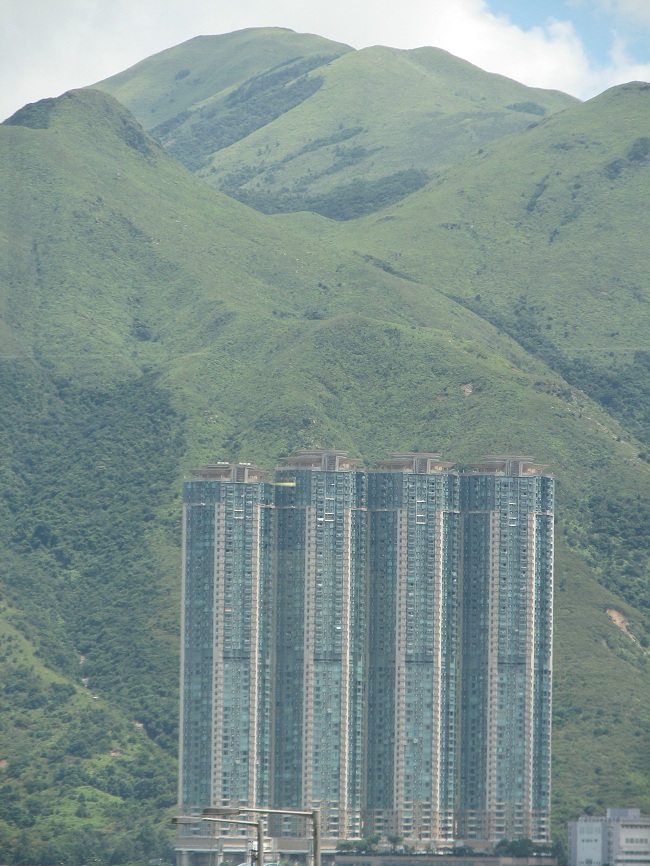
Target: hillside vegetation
(150, 323)
(541, 234)
(325, 128)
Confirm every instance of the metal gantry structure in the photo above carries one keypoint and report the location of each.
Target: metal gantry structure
(216, 814)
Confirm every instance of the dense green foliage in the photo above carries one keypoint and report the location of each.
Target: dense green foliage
(149, 323)
(252, 105)
(36, 115)
(345, 202)
(80, 784)
(83, 603)
(623, 390)
(82, 497)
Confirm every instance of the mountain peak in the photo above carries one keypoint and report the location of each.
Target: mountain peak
(95, 109)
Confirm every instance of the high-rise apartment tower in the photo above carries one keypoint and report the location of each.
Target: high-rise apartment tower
(504, 750)
(225, 732)
(412, 648)
(373, 643)
(320, 638)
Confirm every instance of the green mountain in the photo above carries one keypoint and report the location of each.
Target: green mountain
(148, 323)
(288, 122)
(541, 236)
(180, 79)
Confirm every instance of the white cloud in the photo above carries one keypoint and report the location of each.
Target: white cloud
(551, 55)
(47, 47)
(622, 67)
(637, 11)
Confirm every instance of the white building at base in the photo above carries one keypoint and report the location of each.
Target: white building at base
(621, 838)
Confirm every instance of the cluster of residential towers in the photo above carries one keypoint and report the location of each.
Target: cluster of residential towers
(372, 643)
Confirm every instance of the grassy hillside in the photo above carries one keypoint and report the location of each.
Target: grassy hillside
(542, 235)
(182, 78)
(150, 323)
(325, 129)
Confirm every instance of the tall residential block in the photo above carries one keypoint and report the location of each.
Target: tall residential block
(320, 638)
(412, 648)
(376, 644)
(504, 751)
(225, 734)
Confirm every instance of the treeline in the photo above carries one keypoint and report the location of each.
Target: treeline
(347, 201)
(88, 655)
(251, 106)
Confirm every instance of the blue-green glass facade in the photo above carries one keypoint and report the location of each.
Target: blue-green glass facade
(412, 644)
(376, 644)
(505, 745)
(320, 638)
(197, 646)
(226, 650)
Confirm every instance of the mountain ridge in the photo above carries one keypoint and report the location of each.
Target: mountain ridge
(295, 137)
(161, 324)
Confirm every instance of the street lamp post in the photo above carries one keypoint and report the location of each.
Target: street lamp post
(315, 820)
(237, 810)
(226, 820)
(191, 821)
(260, 832)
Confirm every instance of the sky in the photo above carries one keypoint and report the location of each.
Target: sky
(579, 46)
